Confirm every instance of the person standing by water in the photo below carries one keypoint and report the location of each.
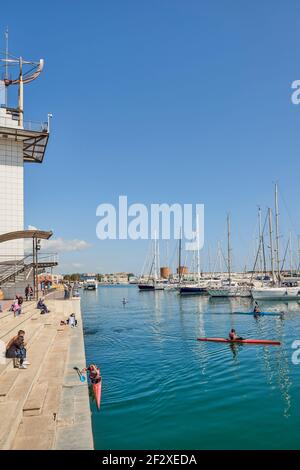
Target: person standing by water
(28, 292)
(66, 292)
(43, 288)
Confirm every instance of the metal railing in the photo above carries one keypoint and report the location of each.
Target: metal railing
(13, 266)
(12, 123)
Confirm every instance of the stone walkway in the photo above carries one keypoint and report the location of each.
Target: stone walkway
(45, 406)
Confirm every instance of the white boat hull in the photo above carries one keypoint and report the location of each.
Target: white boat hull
(223, 292)
(276, 293)
(230, 292)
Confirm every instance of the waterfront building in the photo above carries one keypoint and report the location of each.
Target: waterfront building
(21, 141)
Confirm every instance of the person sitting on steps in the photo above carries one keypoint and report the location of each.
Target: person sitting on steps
(72, 320)
(16, 306)
(42, 306)
(15, 349)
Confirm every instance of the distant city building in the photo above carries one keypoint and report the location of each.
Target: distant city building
(86, 276)
(53, 278)
(116, 278)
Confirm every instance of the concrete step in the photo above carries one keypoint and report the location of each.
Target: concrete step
(45, 396)
(47, 405)
(32, 330)
(24, 383)
(7, 411)
(35, 433)
(7, 380)
(7, 315)
(35, 400)
(12, 323)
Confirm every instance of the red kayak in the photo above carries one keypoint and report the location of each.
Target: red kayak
(242, 341)
(97, 388)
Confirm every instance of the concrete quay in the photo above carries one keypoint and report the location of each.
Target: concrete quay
(45, 406)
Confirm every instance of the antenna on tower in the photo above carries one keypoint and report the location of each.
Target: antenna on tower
(6, 64)
(28, 71)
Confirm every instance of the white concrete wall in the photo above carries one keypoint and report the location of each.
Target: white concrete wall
(11, 194)
(18, 288)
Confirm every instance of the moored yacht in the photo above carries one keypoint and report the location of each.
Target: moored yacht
(152, 283)
(278, 288)
(90, 284)
(193, 289)
(276, 293)
(227, 288)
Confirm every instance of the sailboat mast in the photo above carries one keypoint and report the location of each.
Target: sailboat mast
(277, 232)
(271, 244)
(209, 260)
(228, 249)
(220, 258)
(157, 260)
(179, 258)
(260, 240)
(291, 253)
(298, 268)
(198, 249)
(154, 258)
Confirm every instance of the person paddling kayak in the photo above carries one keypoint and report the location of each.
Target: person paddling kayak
(96, 381)
(94, 373)
(233, 336)
(256, 309)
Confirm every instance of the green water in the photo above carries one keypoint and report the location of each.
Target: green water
(162, 389)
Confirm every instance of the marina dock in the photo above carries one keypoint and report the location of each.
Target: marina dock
(45, 406)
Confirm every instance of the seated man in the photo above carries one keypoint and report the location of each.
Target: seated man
(72, 320)
(42, 306)
(16, 350)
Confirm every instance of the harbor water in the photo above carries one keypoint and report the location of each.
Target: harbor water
(163, 389)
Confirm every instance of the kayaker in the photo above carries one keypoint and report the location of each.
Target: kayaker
(233, 336)
(94, 373)
(256, 308)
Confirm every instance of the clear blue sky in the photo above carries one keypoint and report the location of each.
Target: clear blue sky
(165, 101)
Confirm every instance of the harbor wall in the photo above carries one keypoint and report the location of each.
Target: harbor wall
(45, 406)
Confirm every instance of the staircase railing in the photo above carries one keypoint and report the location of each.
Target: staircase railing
(14, 266)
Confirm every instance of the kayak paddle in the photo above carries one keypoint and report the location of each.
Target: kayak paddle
(82, 377)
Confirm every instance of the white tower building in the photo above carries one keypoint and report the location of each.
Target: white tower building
(20, 141)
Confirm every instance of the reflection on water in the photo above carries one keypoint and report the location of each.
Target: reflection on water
(155, 371)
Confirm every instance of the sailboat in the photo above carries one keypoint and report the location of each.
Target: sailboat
(197, 287)
(275, 291)
(152, 282)
(228, 287)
